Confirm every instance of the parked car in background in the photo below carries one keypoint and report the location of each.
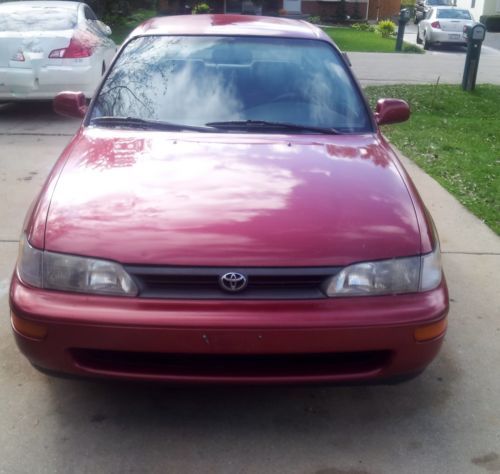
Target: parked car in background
(444, 25)
(229, 212)
(48, 47)
(422, 7)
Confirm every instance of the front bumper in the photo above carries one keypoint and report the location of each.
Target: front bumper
(345, 340)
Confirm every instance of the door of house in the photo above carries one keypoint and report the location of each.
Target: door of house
(292, 6)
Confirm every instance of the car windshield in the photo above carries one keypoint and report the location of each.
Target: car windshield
(232, 81)
(20, 18)
(453, 14)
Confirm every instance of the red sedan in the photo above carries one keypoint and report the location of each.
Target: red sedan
(229, 212)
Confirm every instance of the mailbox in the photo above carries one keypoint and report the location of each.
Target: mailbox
(404, 18)
(475, 33)
(475, 36)
(405, 15)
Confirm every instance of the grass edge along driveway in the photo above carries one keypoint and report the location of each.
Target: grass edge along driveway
(351, 40)
(453, 136)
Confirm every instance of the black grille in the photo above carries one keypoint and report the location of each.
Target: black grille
(233, 365)
(203, 282)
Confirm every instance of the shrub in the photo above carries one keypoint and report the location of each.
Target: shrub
(363, 27)
(200, 8)
(315, 20)
(141, 15)
(491, 22)
(386, 28)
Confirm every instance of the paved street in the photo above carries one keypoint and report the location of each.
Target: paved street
(445, 421)
(445, 64)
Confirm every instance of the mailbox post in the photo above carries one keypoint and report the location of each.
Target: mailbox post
(404, 18)
(475, 37)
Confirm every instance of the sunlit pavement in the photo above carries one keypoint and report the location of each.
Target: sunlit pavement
(445, 421)
(443, 64)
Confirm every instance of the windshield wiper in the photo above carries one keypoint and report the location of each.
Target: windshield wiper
(132, 122)
(267, 125)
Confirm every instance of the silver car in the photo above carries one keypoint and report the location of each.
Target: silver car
(444, 25)
(422, 7)
(48, 47)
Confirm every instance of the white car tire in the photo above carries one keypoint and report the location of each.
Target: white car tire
(427, 43)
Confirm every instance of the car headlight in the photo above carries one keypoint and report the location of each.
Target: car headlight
(69, 273)
(385, 277)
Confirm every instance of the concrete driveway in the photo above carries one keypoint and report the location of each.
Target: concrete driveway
(445, 421)
(492, 40)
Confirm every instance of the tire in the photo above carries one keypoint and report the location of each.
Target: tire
(427, 44)
(419, 40)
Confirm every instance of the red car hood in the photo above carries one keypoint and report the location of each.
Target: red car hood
(231, 200)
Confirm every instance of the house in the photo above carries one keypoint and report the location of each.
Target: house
(355, 9)
(480, 7)
(329, 9)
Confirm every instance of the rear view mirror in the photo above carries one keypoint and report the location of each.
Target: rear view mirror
(70, 104)
(391, 111)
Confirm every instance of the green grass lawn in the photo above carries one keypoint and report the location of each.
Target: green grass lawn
(349, 39)
(454, 136)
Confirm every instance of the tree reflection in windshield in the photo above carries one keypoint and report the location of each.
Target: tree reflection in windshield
(197, 80)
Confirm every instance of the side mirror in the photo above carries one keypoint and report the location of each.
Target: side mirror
(391, 111)
(70, 104)
(104, 28)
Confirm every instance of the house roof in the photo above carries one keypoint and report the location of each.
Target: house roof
(230, 25)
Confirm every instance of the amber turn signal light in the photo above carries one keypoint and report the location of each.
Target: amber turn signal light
(28, 328)
(431, 331)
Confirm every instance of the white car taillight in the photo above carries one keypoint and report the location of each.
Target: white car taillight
(75, 49)
(436, 24)
(19, 56)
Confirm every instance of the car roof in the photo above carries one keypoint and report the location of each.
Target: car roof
(51, 4)
(230, 25)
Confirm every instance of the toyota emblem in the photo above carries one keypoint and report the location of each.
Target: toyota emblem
(233, 282)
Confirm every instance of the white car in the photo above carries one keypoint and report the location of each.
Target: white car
(48, 47)
(444, 25)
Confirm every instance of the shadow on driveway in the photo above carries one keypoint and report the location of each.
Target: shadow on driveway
(34, 118)
(183, 429)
